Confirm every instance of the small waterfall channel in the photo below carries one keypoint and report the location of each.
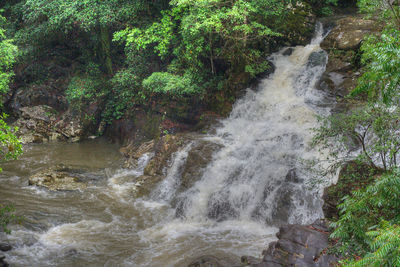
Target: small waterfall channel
(254, 182)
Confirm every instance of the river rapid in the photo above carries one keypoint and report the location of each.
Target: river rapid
(254, 182)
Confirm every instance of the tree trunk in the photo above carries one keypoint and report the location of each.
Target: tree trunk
(106, 49)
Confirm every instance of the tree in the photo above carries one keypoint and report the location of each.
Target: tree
(381, 57)
(88, 23)
(200, 39)
(8, 53)
(373, 128)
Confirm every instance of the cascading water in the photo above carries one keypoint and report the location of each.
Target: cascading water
(253, 182)
(257, 175)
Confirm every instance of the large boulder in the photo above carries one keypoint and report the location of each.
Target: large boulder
(299, 245)
(5, 247)
(349, 33)
(59, 178)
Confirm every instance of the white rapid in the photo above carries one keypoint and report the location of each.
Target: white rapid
(253, 182)
(258, 174)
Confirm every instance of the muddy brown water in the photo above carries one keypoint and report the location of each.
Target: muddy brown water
(104, 225)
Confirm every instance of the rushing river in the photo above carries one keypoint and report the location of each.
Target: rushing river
(253, 183)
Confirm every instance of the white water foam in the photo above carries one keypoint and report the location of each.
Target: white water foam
(257, 175)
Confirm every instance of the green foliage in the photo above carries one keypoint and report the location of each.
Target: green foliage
(163, 82)
(385, 248)
(124, 94)
(372, 127)
(199, 34)
(323, 7)
(8, 52)
(381, 55)
(86, 86)
(387, 10)
(10, 146)
(366, 210)
(7, 216)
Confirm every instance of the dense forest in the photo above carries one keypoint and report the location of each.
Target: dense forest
(123, 55)
(176, 60)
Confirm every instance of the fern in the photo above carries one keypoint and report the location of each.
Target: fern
(364, 211)
(385, 248)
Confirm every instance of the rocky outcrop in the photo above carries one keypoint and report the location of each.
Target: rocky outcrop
(42, 123)
(343, 45)
(162, 150)
(198, 156)
(299, 245)
(59, 178)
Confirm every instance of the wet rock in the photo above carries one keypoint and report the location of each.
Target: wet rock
(42, 123)
(282, 211)
(212, 261)
(163, 150)
(208, 122)
(292, 177)
(220, 210)
(70, 127)
(197, 160)
(154, 172)
(205, 261)
(248, 260)
(298, 245)
(5, 247)
(317, 59)
(139, 126)
(349, 33)
(288, 51)
(3, 263)
(58, 178)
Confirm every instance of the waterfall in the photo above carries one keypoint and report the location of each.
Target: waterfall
(258, 174)
(224, 193)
